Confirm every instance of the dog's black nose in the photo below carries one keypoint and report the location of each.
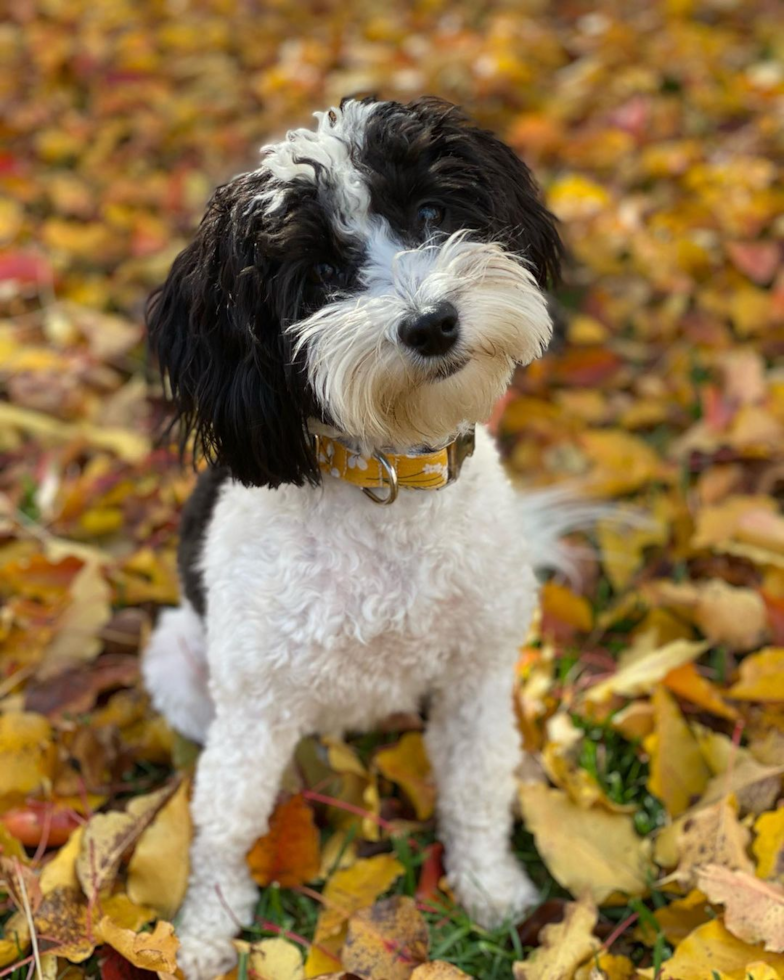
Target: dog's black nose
(432, 332)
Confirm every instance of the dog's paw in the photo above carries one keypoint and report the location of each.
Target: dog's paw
(496, 894)
(204, 958)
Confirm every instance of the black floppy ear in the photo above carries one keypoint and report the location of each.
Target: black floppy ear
(216, 335)
(523, 221)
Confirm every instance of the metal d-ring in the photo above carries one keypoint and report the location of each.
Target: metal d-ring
(391, 478)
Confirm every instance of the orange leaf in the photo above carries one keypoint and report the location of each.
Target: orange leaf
(289, 853)
(687, 682)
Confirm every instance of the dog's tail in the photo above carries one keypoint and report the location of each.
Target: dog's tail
(548, 515)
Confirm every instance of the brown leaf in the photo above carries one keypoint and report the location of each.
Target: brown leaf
(386, 941)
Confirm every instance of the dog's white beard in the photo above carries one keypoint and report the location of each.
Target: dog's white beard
(384, 395)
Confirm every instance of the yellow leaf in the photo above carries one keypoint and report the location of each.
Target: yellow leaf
(346, 892)
(27, 755)
(15, 939)
(563, 946)
(754, 908)
(438, 970)
(681, 917)
(561, 604)
(711, 835)
(591, 851)
(272, 959)
(642, 675)
(678, 773)
(621, 462)
(76, 639)
(158, 870)
(408, 765)
(606, 966)
(622, 544)
(768, 846)
(130, 446)
(386, 940)
(108, 836)
(155, 951)
(761, 677)
(60, 872)
(575, 196)
(712, 947)
(126, 913)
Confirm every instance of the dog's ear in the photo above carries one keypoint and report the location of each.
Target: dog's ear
(502, 186)
(523, 221)
(215, 331)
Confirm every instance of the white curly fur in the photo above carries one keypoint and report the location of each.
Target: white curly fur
(321, 623)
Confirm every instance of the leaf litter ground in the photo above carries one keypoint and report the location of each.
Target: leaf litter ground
(650, 696)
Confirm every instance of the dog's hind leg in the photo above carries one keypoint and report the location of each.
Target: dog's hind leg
(174, 668)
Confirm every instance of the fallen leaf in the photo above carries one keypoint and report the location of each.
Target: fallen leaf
(606, 966)
(27, 755)
(711, 835)
(108, 836)
(62, 924)
(678, 773)
(438, 970)
(15, 939)
(689, 684)
(158, 869)
(407, 764)
(754, 909)
(125, 443)
(346, 892)
(60, 871)
(710, 949)
(386, 941)
(563, 946)
(272, 959)
(585, 850)
(77, 639)
(38, 822)
(768, 846)
(755, 786)
(289, 853)
(682, 916)
(761, 677)
(642, 675)
(155, 951)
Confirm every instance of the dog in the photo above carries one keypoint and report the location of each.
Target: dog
(344, 320)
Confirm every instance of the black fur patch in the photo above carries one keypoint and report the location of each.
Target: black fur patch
(196, 516)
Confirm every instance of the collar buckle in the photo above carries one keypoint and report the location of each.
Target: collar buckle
(457, 453)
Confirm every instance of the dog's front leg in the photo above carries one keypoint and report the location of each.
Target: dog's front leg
(474, 747)
(237, 780)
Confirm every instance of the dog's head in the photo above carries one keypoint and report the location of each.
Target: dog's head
(382, 273)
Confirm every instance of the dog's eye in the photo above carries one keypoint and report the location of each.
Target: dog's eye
(325, 273)
(430, 215)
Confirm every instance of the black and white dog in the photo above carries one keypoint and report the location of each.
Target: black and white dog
(346, 315)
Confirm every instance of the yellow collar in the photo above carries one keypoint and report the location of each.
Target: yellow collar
(390, 471)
